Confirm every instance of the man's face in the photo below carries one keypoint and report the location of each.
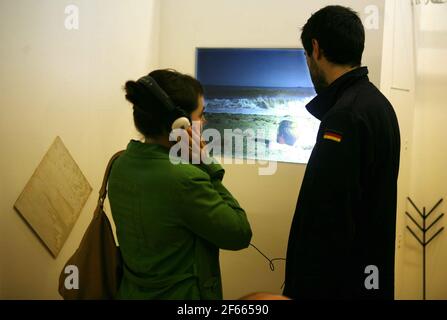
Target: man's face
(316, 74)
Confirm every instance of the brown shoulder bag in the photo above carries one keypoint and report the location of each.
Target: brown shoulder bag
(94, 271)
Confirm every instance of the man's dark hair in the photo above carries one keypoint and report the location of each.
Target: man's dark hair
(340, 35)
(151, 117)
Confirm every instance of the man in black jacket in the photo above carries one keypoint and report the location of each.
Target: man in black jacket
(342, 239)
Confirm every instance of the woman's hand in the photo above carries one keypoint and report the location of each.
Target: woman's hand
(193, 148)
(197, 147)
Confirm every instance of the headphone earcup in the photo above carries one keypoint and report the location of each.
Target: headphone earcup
(181, 123)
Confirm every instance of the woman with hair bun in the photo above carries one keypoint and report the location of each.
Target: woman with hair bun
(171, 219)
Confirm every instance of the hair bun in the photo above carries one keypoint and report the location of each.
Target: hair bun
(133, 92)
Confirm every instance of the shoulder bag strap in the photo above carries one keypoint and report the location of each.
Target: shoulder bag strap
(103, 190)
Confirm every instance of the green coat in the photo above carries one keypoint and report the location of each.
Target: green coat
(171, 221)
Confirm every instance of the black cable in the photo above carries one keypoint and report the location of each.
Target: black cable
(272, 266)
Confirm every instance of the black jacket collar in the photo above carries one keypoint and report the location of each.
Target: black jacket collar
(323, 102)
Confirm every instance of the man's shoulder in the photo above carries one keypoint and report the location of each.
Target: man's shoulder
(363, 98)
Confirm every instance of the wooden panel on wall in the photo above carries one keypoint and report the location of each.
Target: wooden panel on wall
(54, 197)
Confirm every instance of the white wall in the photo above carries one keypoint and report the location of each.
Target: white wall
(269, 200)
(398, 84)
(414, 79)
(67, 83)
(429, 174)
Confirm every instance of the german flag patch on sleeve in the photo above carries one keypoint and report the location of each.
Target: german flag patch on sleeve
(333, 136)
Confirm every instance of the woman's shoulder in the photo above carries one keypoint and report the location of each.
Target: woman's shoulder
(143, 160)
(188, 171)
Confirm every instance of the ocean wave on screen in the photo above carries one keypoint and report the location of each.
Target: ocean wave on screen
(278, 106)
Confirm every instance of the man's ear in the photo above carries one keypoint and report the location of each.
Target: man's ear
(316, 52)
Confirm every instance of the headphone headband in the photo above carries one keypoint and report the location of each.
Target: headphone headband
(161, 95)
(180, 120)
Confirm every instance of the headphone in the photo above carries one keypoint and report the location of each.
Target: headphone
(181, 119)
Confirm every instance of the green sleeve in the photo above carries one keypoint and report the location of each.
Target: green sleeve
(210, 211)
(214, 169)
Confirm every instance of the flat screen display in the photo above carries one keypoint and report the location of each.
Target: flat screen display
(255, 99)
